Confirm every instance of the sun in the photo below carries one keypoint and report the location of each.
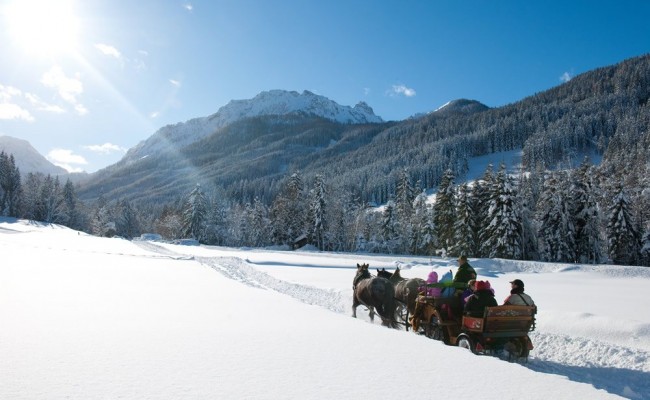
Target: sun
(42, 27)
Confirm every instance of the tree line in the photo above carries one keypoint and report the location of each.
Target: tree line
(572, 215)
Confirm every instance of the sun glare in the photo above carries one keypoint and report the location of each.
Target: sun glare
(42, 27)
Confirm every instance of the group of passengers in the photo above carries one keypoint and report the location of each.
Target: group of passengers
(479, 294)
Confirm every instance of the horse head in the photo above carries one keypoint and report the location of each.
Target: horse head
(396, 276)
(383, 273)
(362, 273)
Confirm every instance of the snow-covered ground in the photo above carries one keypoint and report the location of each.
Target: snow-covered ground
(83, 317)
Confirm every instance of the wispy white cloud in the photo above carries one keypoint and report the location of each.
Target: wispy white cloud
(175, 83)
(402, 90)
(188, 6)
(366, 91)
(67, 88)
(65, 158)
(154, 114)
(106, 148)
(9, 109)
(139, 63)
(14, 111)
(108, 50)
(81, 109)
(40, 105)
(566, 77)
(8, 92)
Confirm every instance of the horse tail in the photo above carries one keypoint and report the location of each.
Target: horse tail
(387, 306)
(377, 293)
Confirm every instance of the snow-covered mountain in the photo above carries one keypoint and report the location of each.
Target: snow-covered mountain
(273, 102)
(461, 106)
(28, 159)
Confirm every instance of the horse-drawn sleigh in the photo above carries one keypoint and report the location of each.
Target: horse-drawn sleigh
(398, 301)
(502, 328)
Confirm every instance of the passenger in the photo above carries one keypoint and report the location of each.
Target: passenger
(469, 291)
(482, 297)
(431, 291)
(517, 296)
(464, 274)
(465, 271)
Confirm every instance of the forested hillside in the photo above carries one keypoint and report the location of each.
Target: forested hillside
(270, 180)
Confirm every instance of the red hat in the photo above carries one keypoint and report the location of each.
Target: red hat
(482, 285)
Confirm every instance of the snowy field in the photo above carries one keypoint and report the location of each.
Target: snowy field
(83, 317)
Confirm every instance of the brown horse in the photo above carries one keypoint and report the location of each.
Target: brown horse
(375, 293)
(406, 290)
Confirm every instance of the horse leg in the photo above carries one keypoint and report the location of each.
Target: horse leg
(371, 312)
(355, 304)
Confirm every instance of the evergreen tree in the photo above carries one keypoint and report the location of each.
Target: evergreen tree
(10, 187)
(482, 192)
(464, 239)
(389, 232)
(557, 230)
(404, 197)
(216, 232)
(195, 214)
(526, 202)
(444, 212)
(420, 222)
(71, 216)
(127, 224)
(623, 238)
(260, 223)
(102, 222)
(586, 214)
(31, 191)
(645, 248)
(317, 213)
(504, 229)
(50, 202)
(288, 212)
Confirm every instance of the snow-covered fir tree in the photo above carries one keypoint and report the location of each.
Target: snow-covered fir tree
(557, 232)
(525, 199)
(586, 214)
(645, 247)
(317, 224)
(623, 238)
(216, 226)
(103, 222)
(127, 223)
(73, 217)
(444, 211)
(288, 212)
(404, 197)
(50, 201)
(389, 233)
(422, 222)
(482, 190)
(464, 242)
(195, 214)
(504, 229)
(10, 185)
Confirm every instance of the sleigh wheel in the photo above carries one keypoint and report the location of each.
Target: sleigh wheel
(466, 342)
(434, 330)
(517, 348)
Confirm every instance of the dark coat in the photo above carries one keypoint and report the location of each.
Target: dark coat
(465, 273)
(476, 303)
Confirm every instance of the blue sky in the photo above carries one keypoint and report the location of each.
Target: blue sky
(83, 81)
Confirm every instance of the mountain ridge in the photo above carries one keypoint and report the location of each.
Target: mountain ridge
(272, 102)
(28, 159)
